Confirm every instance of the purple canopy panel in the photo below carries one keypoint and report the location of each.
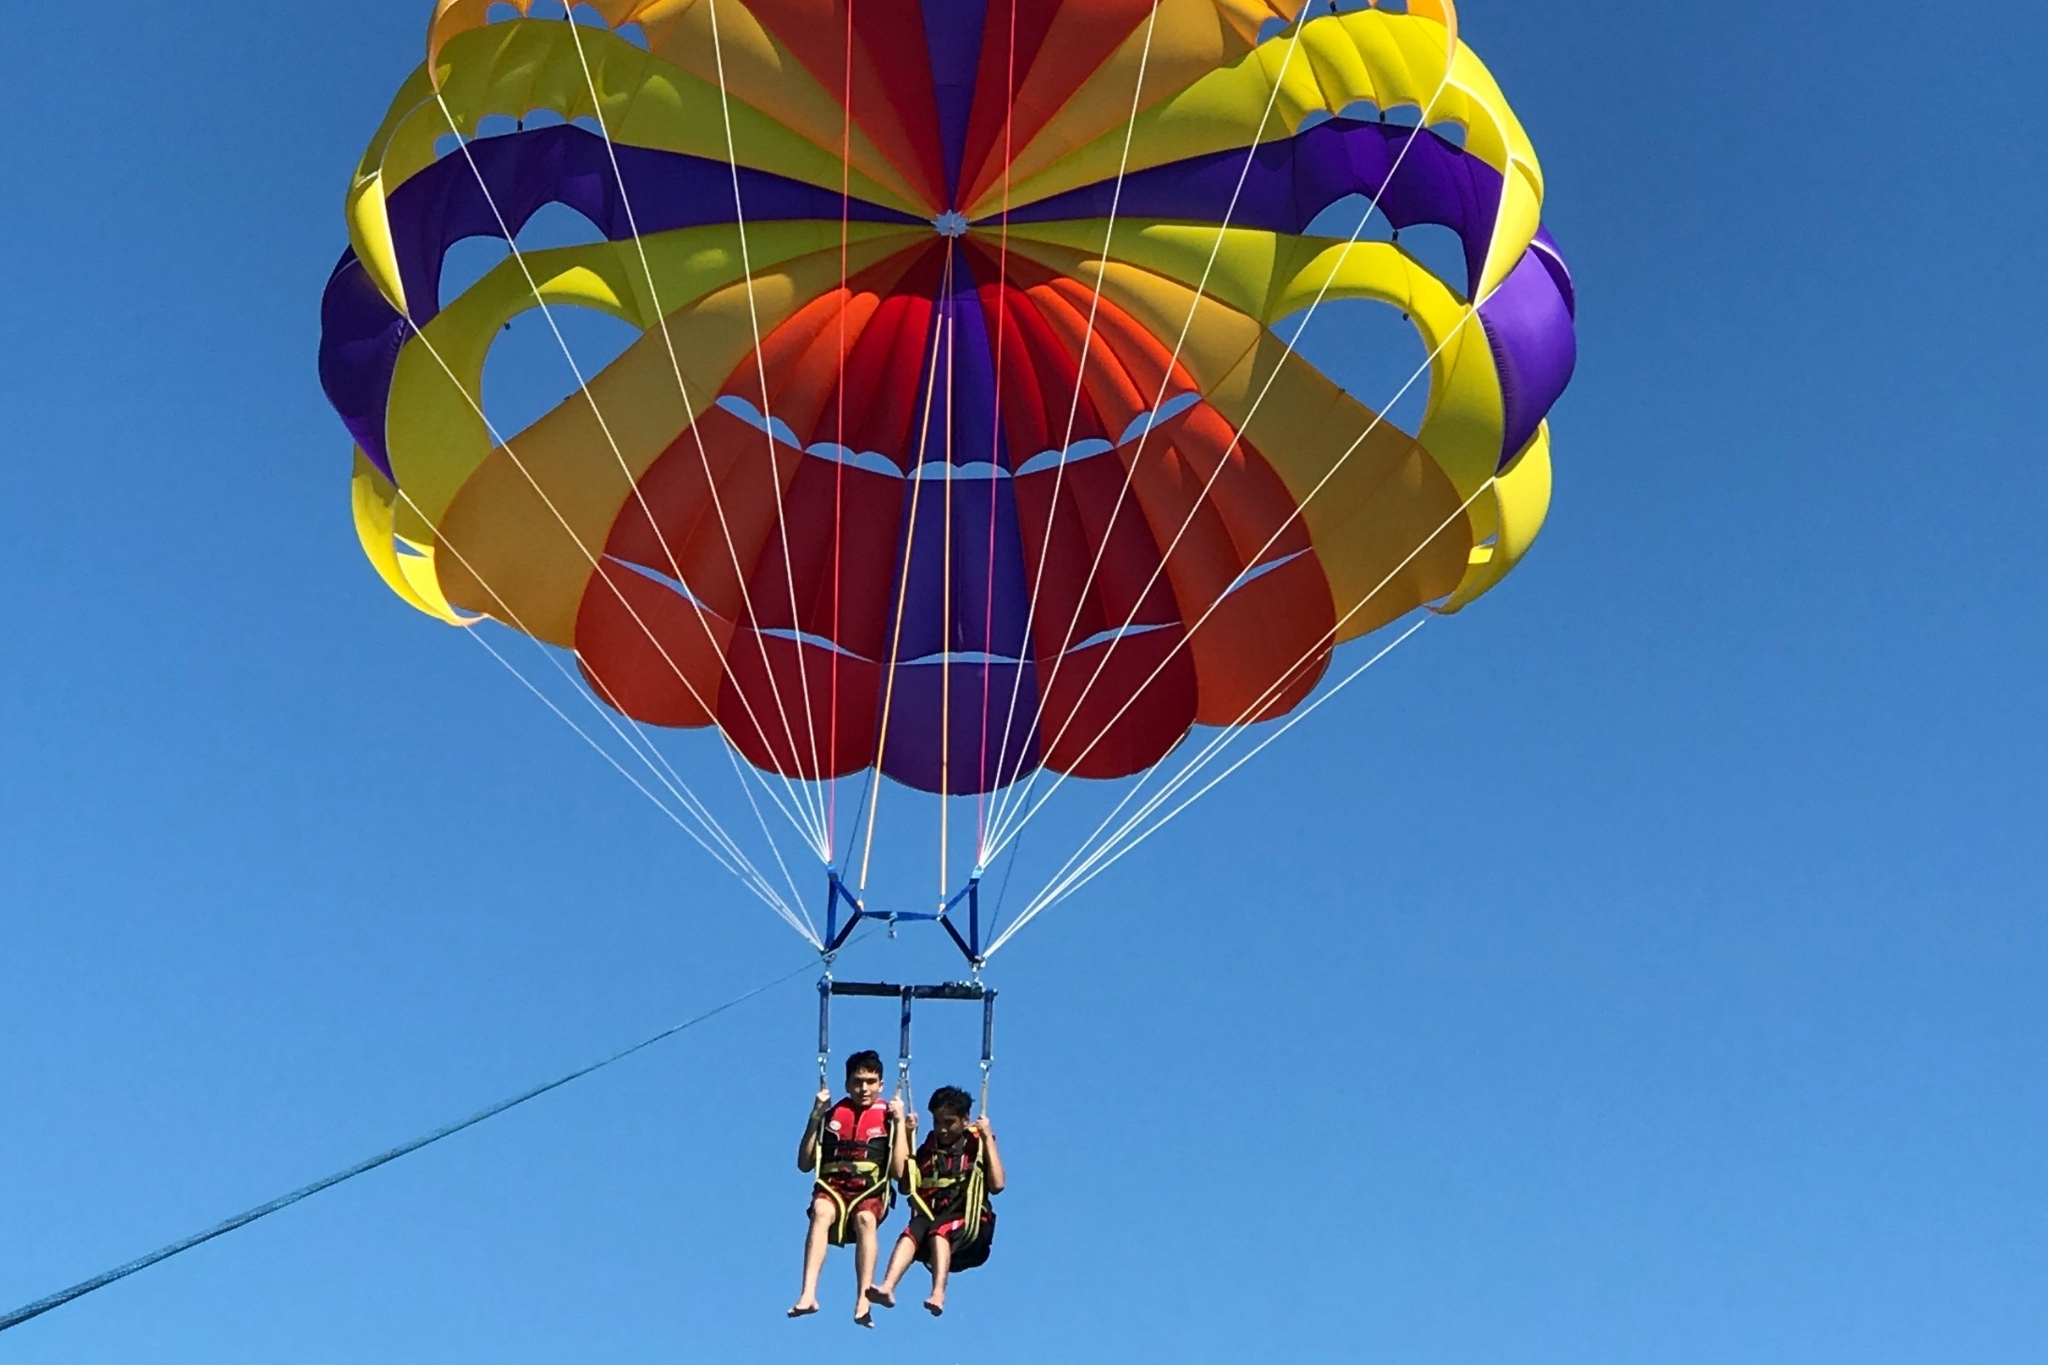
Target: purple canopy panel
(962, 595)
(952, 35)
(1553, 261)
(1535, 348)
(524, 172)
(361, 333)
(967, 382)
(987, 555)
(1415, 175)
(360, 337)
(986, 742)
(981, 605)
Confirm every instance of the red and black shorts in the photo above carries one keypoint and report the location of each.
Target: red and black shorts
(968, 1252)
(848, 1205)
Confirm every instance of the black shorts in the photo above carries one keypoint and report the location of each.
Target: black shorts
(967, 1252)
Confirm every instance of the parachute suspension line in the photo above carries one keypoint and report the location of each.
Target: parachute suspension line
(1224, 737)
(952, 326)
(1021, 799)
(760, 819)
(839, 438)
(982, 804)
(241, 1220)
(809, 827)
(903, 576)
(1222, 740)
(1111, 851)
(1330, 635)
(554, 510)
(995, 914)
(1236, 439)
(740, 774)
(867, 791)
(678, 787)
(1158, 398)
(1080, 378)
(726, 850)
(575, 538)
(703, 455)
(732, 156)
(719, 848)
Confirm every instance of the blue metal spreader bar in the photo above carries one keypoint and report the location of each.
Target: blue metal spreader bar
(969, 944)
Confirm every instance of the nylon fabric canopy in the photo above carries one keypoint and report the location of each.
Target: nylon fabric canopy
(965, 435)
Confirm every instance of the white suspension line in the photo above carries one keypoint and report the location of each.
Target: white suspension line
(734, 859)
(598, 414)
(1072, 877)
(839, 425)
(760, 888)
(1013, 802)
(952, 324)
(684, 795)
(1200, 621)
(641, 748)
(1103, 859)
(939, 334)
(767, 419)
(774, 848)
(1080, 374)
(703, 454)
(547, 501)
(984, 803)
(1165, 379)
(740, 775)
(812, 830)
(1244, 718)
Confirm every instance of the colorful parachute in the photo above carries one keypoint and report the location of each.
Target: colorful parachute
(964, 435)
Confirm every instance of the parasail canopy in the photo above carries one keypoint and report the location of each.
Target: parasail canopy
(966, 435)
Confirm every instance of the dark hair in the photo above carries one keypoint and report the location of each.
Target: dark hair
(864, 1061)
(950, 1099)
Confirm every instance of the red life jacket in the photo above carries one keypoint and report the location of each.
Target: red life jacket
(853, 1159)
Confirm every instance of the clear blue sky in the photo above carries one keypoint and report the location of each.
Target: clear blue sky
(1645, 966)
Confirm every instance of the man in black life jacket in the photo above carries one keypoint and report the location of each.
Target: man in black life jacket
(949, 1183)
(859, 1149)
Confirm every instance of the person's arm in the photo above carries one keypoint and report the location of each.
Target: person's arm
(901, 1140)
(996, 1179)
(807, 1149)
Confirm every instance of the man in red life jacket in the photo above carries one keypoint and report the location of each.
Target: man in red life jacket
(859, 1149)
(952, 1224)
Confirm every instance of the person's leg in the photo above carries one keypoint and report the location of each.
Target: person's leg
(863, 1260)
(899, 1261)
(823, 1212)
(942, 1264)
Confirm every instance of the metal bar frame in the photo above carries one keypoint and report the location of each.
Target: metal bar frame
(908, 995)
(969, 944)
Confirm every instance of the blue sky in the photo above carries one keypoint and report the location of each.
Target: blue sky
(1644, 965)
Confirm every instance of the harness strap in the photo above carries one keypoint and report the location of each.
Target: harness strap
(976, 1196)
(877, 1176)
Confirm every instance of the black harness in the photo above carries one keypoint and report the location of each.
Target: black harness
(951, 1184)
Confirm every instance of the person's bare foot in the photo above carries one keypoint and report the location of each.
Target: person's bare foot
(864, 1318)
(803, 1309)
(880, 1297)
(935, 1305)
